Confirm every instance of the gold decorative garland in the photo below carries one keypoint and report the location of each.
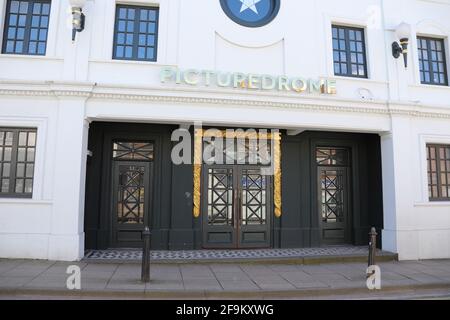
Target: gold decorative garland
(277, 174)
(198, 161)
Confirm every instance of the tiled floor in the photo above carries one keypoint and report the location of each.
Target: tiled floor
(133, 255)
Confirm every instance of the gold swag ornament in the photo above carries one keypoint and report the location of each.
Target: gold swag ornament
(199, 134)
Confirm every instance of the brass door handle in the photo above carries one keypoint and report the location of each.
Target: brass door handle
(240, 206)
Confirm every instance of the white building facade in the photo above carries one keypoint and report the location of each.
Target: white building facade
(58, 97)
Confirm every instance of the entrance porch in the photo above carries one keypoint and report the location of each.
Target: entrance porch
(328, 193)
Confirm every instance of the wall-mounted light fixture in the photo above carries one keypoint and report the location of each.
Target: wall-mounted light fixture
(78, 17)
(403, 32)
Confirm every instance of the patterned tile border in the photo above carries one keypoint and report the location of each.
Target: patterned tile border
(130, 255)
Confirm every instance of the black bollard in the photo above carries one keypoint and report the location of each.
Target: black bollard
(145, 274)
(372, 246)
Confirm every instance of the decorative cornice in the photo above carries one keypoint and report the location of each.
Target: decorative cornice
(45, 93)
(384, 109)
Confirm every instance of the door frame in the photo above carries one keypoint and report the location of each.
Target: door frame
(236, 230)
(148, 185)
(104, 236)
(354, 204)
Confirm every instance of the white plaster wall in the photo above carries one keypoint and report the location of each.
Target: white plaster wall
(79, 82)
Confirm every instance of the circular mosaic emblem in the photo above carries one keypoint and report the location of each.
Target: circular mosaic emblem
(251, 13)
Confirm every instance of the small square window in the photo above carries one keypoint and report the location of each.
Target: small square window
(17, 157)
(438, 164)
(432, 62)
(26, 22)
(349, 53)
(135, 35)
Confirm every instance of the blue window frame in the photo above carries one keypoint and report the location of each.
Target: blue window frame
(349, 52)
(432, 64)
(26, 27)
(136, 33)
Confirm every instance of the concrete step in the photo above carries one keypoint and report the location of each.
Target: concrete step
(307, 256)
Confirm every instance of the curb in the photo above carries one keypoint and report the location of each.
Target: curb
(197, 295)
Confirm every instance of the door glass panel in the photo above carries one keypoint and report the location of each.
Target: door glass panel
(332, 195)
(133, 151)
(131, 194)
(332, 157)
(220, 197)
(253, 201)
(238, 151)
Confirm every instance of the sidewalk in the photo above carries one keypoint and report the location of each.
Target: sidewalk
(203, 281)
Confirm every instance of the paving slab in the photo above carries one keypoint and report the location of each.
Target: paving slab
(24, 271)
(283, 268)
(396, 283)
(393, 275)
(316, 269)
(46, 283)
(425, 278)
(212, 280)
(124, 284)
(310, 285)
(239, 285)
(218, 268)
(202, 284)
(94, 284)
(336, 284)
(257, 269)
(232, 276)
(6, 265)
(13, 282)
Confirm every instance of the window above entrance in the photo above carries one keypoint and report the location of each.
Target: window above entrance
(137, 151)
(241, 151)
(332, 157)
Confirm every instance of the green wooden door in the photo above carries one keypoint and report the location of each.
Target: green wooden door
(237, 207)
(334, 204)
(130, 202)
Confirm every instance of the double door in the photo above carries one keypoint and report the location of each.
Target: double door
(237, 207)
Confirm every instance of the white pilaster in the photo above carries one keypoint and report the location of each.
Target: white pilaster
(399, 233)
(66, 241)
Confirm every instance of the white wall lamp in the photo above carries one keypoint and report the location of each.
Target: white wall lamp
(403, 32)
(78, 17)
